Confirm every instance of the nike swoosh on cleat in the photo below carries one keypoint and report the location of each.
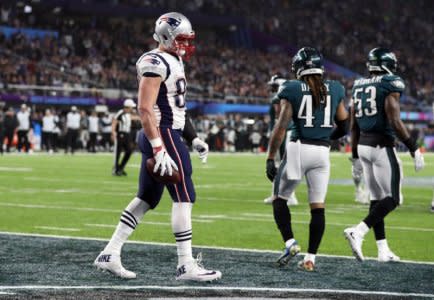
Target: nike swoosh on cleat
(210, 273)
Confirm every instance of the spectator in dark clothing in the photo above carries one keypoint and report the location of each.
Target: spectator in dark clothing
(10, 125)
(2, 134)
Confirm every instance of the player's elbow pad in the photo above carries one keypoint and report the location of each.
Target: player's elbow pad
(340, 130)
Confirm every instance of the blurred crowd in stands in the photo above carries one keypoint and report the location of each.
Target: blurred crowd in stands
(95, 51)
(100, 52)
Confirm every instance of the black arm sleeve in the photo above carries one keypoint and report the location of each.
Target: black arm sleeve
(189, 133)
(411, 144)
(340, 130)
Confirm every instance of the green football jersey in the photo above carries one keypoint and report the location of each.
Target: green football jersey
(310, 124)
(272, 112)
(368, 100)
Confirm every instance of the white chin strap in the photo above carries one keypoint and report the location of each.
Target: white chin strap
(310, 72)
(379, 69)
(387, 70)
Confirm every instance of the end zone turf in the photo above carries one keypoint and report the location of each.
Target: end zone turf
(45, 266)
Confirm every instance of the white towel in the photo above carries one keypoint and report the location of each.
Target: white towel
(293, 160)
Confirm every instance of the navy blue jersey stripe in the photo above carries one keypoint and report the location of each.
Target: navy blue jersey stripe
(164, 106)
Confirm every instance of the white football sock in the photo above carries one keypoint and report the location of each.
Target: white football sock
(181, 227)
(382, 245)
(362, 228)
(288, 243)
(130, 218)
(310, 256)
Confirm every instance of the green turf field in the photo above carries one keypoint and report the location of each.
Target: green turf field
(77, 196)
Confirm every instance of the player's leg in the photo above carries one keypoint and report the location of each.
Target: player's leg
(10, 137)
(376, 193)
(117, 154)
(361, 191)
(291, 198)
(387, 175)
(282, 187)
(385, 169)
(127, 154)
(148, 197)
(1, 141)
(183, 196)
(67, 140)
(26, 140)
(20, 140)
(317, 165)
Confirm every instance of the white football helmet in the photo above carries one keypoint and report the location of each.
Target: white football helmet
(174, 32)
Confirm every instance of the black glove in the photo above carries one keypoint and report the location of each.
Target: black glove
(271, 169)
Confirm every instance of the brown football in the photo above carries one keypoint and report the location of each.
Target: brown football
(166, 178)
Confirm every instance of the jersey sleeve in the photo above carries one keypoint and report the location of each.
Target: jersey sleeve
(275, 99)
(152, 64)
(287, 91)
(340, 91)
(393, 84)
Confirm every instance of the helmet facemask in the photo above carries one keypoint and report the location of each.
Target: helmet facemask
(183, 45)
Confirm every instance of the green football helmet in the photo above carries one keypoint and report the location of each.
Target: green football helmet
(307, 61)
(382, 60)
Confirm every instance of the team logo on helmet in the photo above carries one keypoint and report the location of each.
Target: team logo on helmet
(171, 21)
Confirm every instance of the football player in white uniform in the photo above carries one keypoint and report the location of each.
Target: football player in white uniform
(162, 109)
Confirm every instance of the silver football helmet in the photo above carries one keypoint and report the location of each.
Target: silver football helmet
(174, 32)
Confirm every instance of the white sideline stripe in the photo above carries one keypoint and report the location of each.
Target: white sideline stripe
(198, 246)
(13, 169)
(101, 225)
(215, 217)
(57, 228)
(208, 288)
(6, 293)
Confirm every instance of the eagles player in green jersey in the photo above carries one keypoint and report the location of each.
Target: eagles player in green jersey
(375, 121)
(275, 82)
(313, 104)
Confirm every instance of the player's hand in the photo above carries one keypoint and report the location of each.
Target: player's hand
(271, 169)
(356, 168)
(419, 162)
(202, 148)
(163, 161)
(113, 136)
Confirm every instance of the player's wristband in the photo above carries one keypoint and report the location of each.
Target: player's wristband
(411, 144)
(156, 143)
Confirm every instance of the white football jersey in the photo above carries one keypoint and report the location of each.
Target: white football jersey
(170, 107)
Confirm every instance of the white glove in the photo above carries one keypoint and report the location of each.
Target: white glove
(419, 162)
(202, 148)
(162, 158)
(357, 169)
